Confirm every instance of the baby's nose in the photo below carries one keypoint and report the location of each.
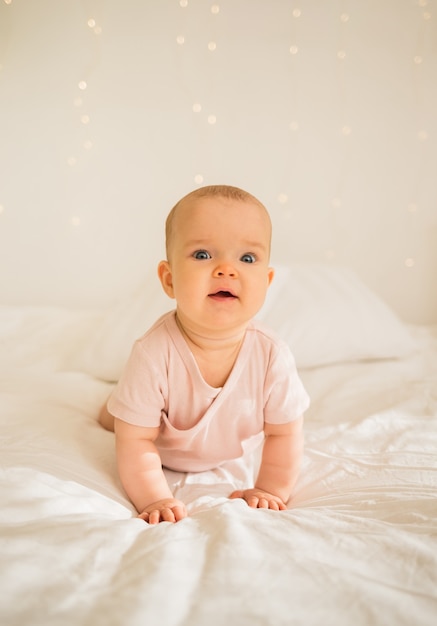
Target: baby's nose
(225, 269)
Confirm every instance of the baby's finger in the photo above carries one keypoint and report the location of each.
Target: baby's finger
(179, 513)
(273, 505)
(167, 515)
(154, 517)
(236, 494)
(253, 501)
(263, 503)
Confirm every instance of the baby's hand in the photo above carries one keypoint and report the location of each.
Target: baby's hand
(167, 510)
(259, 499)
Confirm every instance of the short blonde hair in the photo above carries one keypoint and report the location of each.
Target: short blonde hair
(210, 191)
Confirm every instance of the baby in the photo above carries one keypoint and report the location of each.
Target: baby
(207, 380)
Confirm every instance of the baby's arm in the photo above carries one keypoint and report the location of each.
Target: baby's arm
(140, 470)
(280, 466)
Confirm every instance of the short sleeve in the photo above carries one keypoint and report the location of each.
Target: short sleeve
(139, 396)
(285, 396)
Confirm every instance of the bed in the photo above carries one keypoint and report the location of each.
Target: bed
(357, 544)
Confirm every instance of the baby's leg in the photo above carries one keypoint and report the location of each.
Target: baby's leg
(106, 419)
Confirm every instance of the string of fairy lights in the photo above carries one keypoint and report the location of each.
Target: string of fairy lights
(422, 134)
(198, 108)
(335, 203)
(345, 130)
(412, 209)
(79, 101)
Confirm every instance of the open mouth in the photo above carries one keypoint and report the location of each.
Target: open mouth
(222, 295)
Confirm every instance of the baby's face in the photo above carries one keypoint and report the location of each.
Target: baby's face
(218, 268)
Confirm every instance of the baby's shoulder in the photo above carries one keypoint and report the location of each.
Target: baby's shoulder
(261, 330)
(272, 348)
(159, 334)
(266, 336)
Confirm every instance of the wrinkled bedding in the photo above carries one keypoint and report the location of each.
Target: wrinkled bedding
(357, 545)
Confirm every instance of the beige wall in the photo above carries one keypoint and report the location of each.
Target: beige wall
(324, 109)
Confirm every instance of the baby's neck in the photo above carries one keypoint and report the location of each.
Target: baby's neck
(214, 355)
(212, 342)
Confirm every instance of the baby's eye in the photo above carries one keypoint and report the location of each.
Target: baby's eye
(201, 255)
(248, 258)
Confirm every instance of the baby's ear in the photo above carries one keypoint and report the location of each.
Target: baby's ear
(166, 278)
(270, 275)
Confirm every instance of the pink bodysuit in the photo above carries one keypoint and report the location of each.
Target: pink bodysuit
(203, 426)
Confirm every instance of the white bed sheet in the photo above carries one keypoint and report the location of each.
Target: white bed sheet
(358, 545)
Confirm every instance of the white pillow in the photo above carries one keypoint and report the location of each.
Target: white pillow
(328, 315)
(325, 314)
(107, 350)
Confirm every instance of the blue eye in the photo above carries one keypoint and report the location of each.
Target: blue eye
(248, 258)
(201, 255)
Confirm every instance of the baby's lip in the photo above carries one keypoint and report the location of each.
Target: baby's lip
(222, 293)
